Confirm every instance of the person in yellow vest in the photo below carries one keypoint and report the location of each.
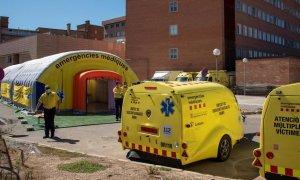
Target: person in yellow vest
(118, 96)
(50, 101)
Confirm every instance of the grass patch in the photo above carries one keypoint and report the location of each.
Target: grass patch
(81, 167)
(154, 170)
(59, 153)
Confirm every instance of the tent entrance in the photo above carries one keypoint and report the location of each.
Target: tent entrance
(99, 97)
(93, 91)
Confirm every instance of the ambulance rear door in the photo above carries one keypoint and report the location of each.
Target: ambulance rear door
(153, 123)
(281, 136)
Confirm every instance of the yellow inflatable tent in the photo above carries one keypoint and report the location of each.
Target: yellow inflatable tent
(80, 78)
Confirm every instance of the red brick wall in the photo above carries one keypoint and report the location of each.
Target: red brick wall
(294, 70)
(25, 47)
(200, 30)
(272, 71)
(48, 45)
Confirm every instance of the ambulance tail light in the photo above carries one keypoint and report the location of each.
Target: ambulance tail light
(151, 87)
(125, 134)
(257, 163)
(257, 153)
(119, 133)
(270, 155)
(150, 130)
(184, 145)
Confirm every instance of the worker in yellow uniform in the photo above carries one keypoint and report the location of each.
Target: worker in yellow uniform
(118, 96)
(50, 101)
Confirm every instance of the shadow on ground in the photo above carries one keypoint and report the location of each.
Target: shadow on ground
(70, 141)
(238, 166)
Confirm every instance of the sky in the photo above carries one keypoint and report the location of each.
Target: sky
(56, 14)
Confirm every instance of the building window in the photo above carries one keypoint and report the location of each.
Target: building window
(173, 30)
(122, 23)
(173, 6)
(259, 34)
(106, 26)
(239, 29)
(255, 33)
(264, 36)
(173, 53)
(245, 30)
(259, 14)
(8, 59)
(268, 37)
(249, 31)
(250, 10)
(117, 25)
(238, 5)
(272, 38)
(112, 26)
(244, 8)
(122, 33)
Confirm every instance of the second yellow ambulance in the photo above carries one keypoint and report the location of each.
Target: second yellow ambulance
(187, 121)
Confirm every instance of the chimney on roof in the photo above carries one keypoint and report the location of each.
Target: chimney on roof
(86, 27)
(68, 29)
(3, 22)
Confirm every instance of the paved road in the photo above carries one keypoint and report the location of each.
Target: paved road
(250, 100)
(101, 140)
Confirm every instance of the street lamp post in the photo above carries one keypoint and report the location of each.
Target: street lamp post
(216, 53)
(245, 60)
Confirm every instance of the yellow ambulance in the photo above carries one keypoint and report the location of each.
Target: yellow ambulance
(187, 121)
(211, 76)
(278, 155)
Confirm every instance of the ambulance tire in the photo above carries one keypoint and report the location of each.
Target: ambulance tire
(224, 149)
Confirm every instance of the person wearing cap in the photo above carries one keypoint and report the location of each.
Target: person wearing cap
(118, 96)
(50, 101)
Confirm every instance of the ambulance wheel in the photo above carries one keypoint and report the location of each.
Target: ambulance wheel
(224, 149)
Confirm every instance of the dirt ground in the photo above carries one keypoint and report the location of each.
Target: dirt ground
(41, 163)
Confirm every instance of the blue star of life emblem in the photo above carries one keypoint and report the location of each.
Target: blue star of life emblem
(167, 107)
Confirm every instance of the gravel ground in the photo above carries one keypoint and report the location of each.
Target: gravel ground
(44, 166)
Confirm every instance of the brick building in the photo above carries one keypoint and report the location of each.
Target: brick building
(181, 35)
(18, 46)
(40, 45)
(7, 34)
(85, 31)
(260, 76)
(115, 29)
